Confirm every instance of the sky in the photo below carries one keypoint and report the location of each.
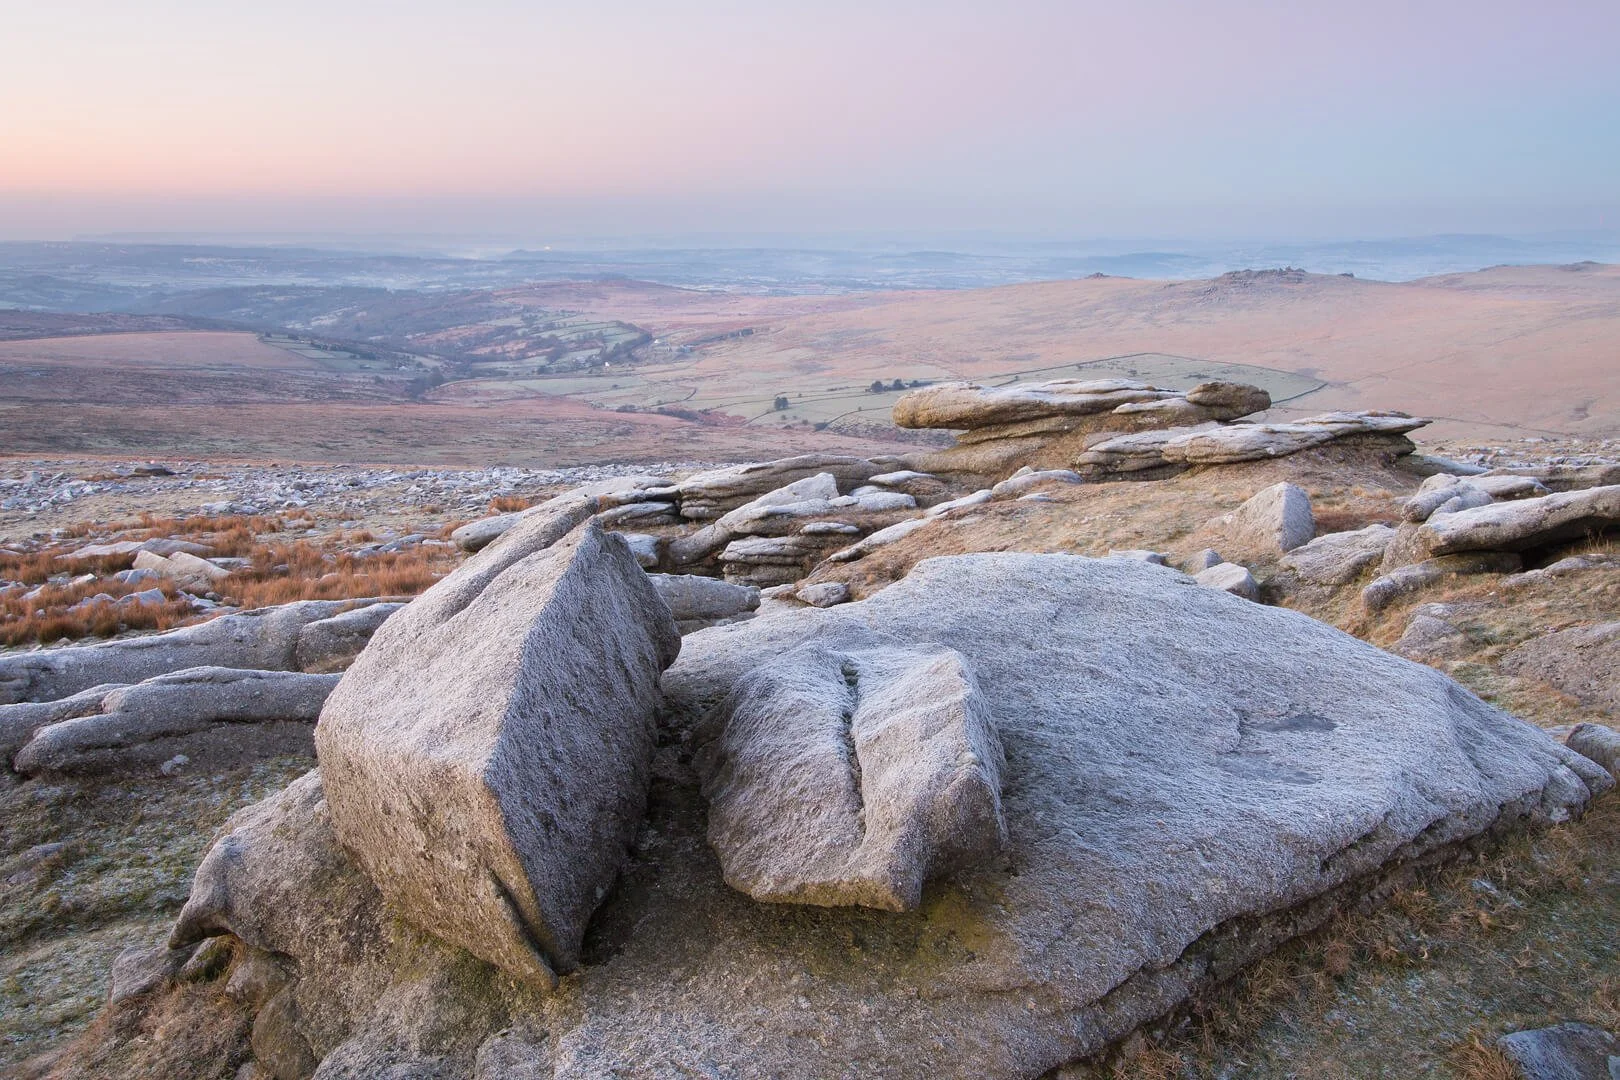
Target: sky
(536, 119)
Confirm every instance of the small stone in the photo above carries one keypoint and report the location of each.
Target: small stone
(824, 594)
(144, 969)
(1600, 744)
(1229, 577)
(1153, 558)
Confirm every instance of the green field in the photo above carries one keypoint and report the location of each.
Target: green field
(330, 358)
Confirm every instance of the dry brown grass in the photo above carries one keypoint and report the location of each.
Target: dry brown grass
(282, 571)
(231, 535)
(300, 570)
(507, 504)
(38, 567)
(1143, 1061)
(1480, 1060)
(46, 617)
(1472, 908)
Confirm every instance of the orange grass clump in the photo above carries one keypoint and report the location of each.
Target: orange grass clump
(300, 570)
(46, 617)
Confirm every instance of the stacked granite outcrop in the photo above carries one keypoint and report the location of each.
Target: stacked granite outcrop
(1117, 428)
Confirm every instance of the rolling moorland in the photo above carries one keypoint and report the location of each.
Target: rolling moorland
(1293, 889)
(570, 373)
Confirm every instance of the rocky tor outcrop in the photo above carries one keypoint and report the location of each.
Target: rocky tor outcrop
(708, 495)
(1445, 492)
(1160, 452)
(1044, 425)
(486, 757)
(1189, 780)
(967, 405)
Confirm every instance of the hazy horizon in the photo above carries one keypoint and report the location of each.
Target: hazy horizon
(1033, 119)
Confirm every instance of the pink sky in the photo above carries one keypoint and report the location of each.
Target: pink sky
(810, 115)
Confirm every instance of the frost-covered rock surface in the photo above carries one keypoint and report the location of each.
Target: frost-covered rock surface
(1190, 778)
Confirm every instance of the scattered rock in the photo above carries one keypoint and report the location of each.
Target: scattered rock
(1338, 558)
(197, 708)
(477, 764)
(648, 549)
(1526, 523)
(156, 545)
(1232, 578)
(18, 722)
(1563, 1052)
(1433, 464)
(142, 970)
(919, 485)
(979, 497)
(1027, 479)
(1567, 477)
(1430, 634)
(881, 538)
(690, 597)
(331, 644)
(1141, 555)
(278, 1047)
(1405, 580)
(187, 571)
(1599, 743)
(830, 528)
(265, 639)
(640, 514)
(851, 777)
(477, 535)
(1462, 498)
(1582, 661)
(824, 594)
(1276, 520)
